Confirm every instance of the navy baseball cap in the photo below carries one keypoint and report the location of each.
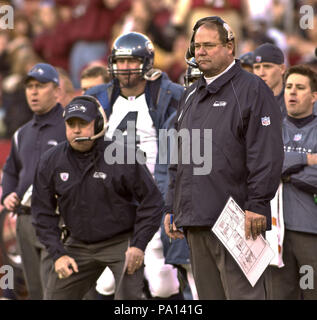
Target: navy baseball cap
(268, 52)
(44, 73)
(81, 108)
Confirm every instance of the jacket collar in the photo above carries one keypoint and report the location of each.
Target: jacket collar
(216, 85)
(49, 117)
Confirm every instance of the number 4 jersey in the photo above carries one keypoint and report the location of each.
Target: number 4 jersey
(135, 109)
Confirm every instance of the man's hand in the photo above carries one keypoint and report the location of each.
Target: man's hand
(11, 201)
(65, 266)
(134, 257)
(255, 224)
(311, 159)
(171, 229)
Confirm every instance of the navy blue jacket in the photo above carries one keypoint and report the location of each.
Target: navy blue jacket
(247, 148)
(29, 142)
(96, 200)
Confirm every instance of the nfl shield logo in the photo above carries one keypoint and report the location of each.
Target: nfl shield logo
(258, 58)
(297, 137)
(266, 121)
(64, 176)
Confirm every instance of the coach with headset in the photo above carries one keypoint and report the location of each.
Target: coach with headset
(111, 210)
(247, 158)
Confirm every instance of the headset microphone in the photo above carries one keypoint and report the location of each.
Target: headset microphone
(82, 139)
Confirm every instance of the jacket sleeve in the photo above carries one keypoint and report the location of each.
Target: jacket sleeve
(150, 206)
(293, 162)
(264, 151)
(11, 170)
(44, 217)
(172, 168)
(306, 179)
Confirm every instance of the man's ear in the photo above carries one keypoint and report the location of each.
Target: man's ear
(230, 46)
(314, 94)
(58, 93)
(283, 68)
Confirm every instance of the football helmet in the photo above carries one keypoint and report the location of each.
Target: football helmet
(132, 44)
(192, 72)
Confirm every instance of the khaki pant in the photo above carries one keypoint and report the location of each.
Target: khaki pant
(92, 259)
(217, 276)
(36, 261)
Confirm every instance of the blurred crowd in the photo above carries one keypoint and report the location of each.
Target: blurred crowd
(74, 34)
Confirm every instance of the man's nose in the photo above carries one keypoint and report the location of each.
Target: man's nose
(125, 64)
(293, 90)
(77, 127)
(201, 50)
(34, 90)
(261, 72)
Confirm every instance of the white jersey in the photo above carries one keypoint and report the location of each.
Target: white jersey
(135, 109)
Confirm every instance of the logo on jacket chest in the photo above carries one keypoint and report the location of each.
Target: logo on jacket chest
(297, 137)
(64, 176)
(266, 121)
(219, 104)
(100, 175)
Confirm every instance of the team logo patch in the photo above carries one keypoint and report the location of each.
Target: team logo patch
(258, 58)
(219, 104)
(100, 175)
(297, 137)
(266, 121)
(64, 176)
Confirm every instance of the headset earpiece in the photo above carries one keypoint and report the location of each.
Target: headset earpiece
(98, 124)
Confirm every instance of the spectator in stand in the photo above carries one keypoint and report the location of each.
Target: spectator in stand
(74, 43)
(67, 92)
(93, 76)
(14, 102)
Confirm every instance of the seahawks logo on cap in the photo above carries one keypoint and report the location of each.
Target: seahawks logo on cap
(38, 70)
(76, 107)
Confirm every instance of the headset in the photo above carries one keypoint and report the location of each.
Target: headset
(191, 50)
(101, 122)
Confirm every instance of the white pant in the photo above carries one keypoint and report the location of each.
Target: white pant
(162, 278)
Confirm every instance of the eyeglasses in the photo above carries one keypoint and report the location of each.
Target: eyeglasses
(206, 45)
